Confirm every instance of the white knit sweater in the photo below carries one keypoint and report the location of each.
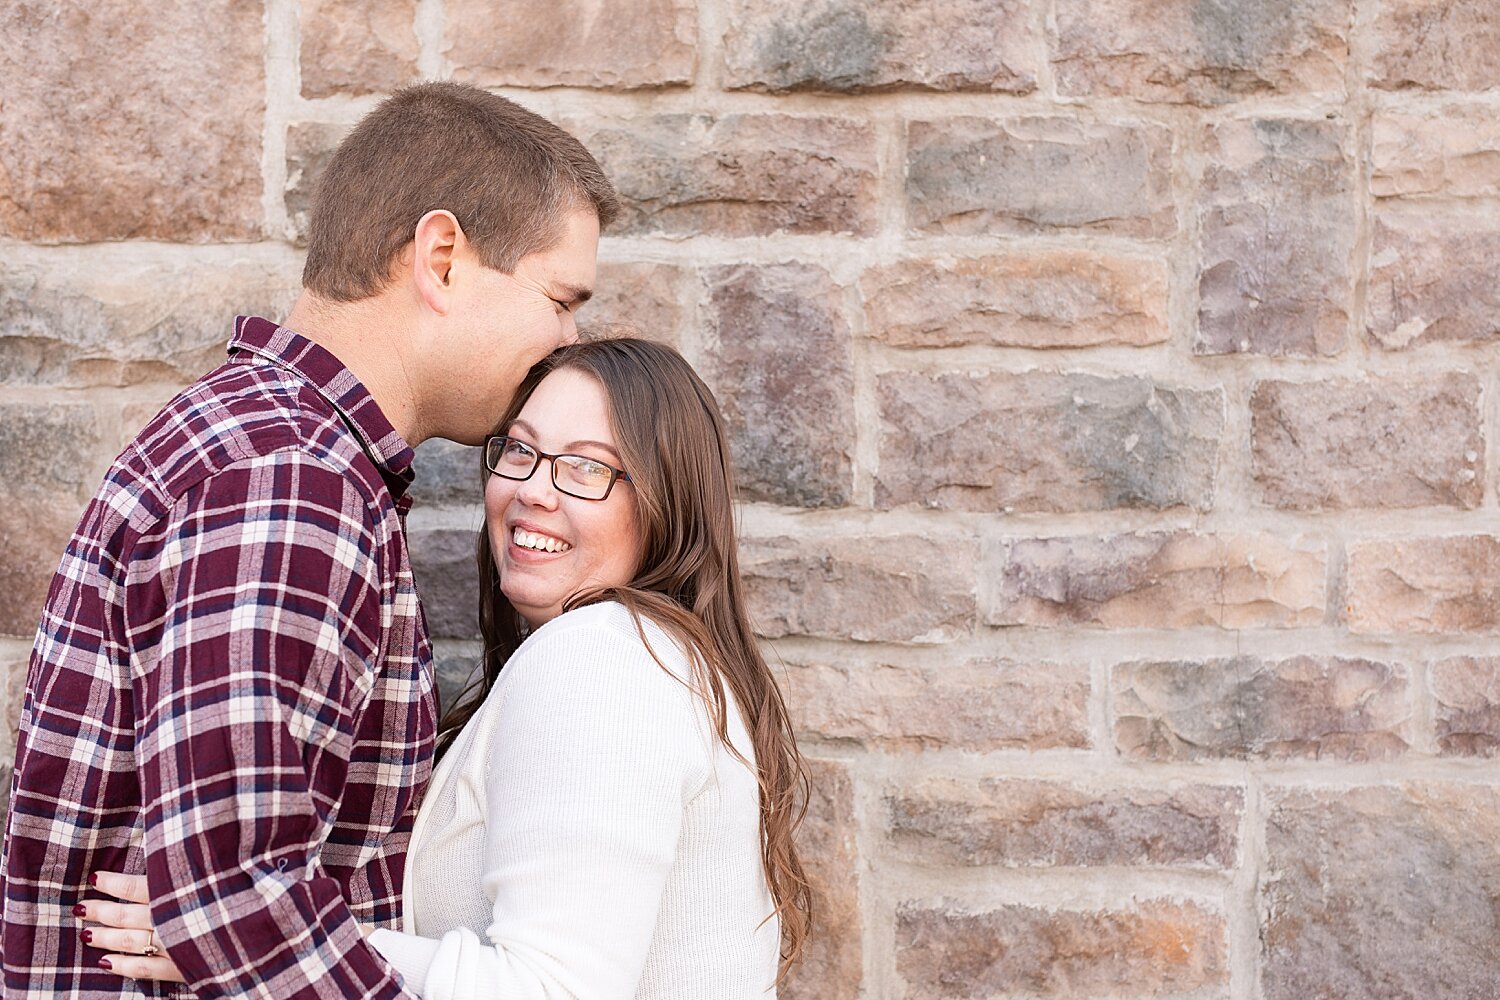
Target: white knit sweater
(588, 836)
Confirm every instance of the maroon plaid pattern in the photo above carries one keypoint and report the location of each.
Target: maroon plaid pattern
(230, 690)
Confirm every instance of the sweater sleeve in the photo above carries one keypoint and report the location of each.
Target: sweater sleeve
(594, 751)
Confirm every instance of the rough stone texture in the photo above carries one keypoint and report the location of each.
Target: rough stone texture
(1015, 823)
(1241, 708)
(636, 300)
(967, 176)
(1432, 278)
(737, 175)
(1336, 443)
(454, 664)
(1158, 580)
(448, 474)
(784, 376)
(1466, 692)
(308, 148)
(156, 139)
(1190, 51)
(118, 318)
(1044, 442)
(48, 453)
(572, 43)
(841, 45)
(978, 704)
(1436, 45)
(1425, 585)
(14, 679)
(1456, 153)
(1277, 218)
(357, 47)
(832, 965)
(1047, 298)
(1381, 893)
(447, 577)
(903, 588)
(1157, 948)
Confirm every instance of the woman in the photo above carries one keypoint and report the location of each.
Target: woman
(613, 808)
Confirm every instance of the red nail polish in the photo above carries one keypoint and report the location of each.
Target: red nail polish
(87, 936)
(80, 910)
(94, 880)
(104, 964)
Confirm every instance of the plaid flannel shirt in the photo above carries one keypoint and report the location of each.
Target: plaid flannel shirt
(230, 690)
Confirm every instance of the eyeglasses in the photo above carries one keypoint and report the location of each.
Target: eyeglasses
(575, 475)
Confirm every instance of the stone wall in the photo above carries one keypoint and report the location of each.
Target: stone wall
(1115, 402)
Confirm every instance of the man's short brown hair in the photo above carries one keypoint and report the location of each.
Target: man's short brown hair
(509, 176)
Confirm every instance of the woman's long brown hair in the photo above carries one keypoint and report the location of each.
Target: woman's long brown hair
(671, 439)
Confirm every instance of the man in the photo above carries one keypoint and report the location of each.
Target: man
(231, 683)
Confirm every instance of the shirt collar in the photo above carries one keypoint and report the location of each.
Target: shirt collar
(326, 374)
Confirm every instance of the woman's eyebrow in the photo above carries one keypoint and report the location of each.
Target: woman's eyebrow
(567, 448)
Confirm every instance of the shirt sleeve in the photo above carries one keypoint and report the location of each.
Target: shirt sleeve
(266, 618)
(594, 752)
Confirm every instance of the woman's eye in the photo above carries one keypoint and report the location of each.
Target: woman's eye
(518, 451)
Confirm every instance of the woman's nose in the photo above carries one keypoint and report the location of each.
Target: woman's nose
(538, 490)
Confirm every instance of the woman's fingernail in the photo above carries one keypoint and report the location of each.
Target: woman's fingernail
(87, 936)
(94, 880)
(80, 910)
(104, 964)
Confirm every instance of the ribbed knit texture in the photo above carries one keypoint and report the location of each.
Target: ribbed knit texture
(588, 837)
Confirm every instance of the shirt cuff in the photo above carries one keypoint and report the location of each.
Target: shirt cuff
(407, 954)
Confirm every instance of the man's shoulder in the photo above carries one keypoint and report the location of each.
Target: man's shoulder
(242, 412)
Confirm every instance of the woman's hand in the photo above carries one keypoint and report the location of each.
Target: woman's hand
(125, 931)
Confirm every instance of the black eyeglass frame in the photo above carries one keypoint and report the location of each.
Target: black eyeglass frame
(615, 475)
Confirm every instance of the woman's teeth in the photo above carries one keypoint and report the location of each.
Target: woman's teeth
(542, 543)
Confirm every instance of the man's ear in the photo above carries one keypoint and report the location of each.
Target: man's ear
(436, 244)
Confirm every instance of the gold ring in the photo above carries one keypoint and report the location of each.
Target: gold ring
(150, 951)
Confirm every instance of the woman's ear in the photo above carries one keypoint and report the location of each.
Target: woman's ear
(436, 243)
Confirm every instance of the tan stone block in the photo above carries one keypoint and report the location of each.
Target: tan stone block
(1432, 278)
(1394, 443)
(1425, 585)
(1248, 708)
(1381, 892)
(832, 966)
(455, 662)
(840, 45)
(1158, 580)
(1023, 824)
(445, 567)
(780, 362)
(905, 588)
(636, 299)
(1159, 948)
(968, 176)
(738, 175)
(1047, 298)
(1466, 690)
(977, 705)
(1454, 151)
(1045, 442)
(448, 474)
(573, 43)
(122, 125)
(308, 148)
(1277, 218)
(1185, 51)
(15, 695)
(114, 316)
(49, 454)
(1436, 45)
(358, 47)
